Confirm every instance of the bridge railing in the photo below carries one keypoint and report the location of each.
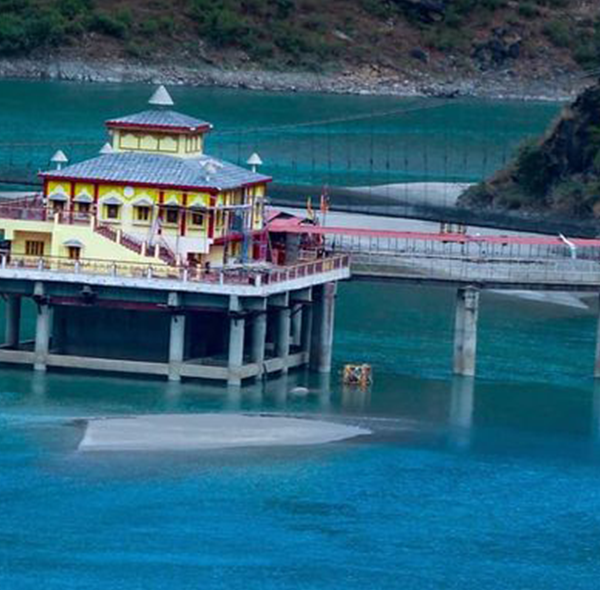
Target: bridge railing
(493, 248)
(470, 269)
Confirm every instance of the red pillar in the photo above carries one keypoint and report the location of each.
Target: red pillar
(211, 216)
(184, 200)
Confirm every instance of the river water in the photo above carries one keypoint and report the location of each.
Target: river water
(492, 483)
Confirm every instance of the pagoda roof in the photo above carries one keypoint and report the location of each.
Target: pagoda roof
(160, 119)
(201, 173)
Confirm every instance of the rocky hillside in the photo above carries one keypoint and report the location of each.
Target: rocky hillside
(558, 174)
(403, 38)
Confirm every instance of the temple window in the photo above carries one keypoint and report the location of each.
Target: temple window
(111, 211)
(74, 252)
(129, 141)
(168, 144)
(171, 215)
(83, 208)
(58, 206)
(197, 219)
(142, 213)
(34, 248)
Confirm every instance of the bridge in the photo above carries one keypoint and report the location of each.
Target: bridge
(467, 263)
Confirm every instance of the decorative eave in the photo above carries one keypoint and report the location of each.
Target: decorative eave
(163, 128)
(214, 190)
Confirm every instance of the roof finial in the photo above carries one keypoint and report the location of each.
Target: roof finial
(59, 158)
(106, 149)
(161, 98)
(254, 161)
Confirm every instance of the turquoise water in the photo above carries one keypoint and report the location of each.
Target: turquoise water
(423, 139)
(493, 483)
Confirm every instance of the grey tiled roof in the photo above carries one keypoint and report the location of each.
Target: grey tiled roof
(157, 169)
(160, 118)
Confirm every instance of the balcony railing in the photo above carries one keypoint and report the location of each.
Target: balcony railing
(238, 276)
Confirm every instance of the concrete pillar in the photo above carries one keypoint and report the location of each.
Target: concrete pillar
(322, 328)
(465, 331)
(176, 346)
(297, 324)
(13, 321)
(42, 336)
(237, 325)
(282, 344)
(259, 338)
(307, 324)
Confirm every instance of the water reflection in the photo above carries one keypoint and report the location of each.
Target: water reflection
(595, 418)
(356, 398)
(529, 416)
(39, 386)
(460, 415)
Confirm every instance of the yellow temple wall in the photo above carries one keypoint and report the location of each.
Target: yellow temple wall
(54, 237)
(174, 144)
(21, 236)
(128, 199)
(97, 246)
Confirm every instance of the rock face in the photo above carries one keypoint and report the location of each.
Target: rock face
(425, 10)
(560, 173)
(503, 45)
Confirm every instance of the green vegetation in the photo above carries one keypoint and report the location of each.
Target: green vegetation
(306, 33)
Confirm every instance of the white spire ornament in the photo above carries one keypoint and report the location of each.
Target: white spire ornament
(254, 161)
(161, 98)
(59, 158)
(106, 149)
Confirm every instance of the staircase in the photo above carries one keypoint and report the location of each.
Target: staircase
(135, 245)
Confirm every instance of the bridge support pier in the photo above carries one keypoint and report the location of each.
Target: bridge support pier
(13, 321)
(465, 331)
(322, 328)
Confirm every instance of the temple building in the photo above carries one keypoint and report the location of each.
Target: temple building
(151, 193)
(155, 258)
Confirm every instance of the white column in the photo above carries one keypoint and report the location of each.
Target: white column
(297, 324)
(282, 346)
(465, 331)
(42, 336)
(13, 321)
(237, 325)
(176, 346)
(323, 325)
(259, 337)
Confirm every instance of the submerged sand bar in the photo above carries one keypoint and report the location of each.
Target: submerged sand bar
(174, 432)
